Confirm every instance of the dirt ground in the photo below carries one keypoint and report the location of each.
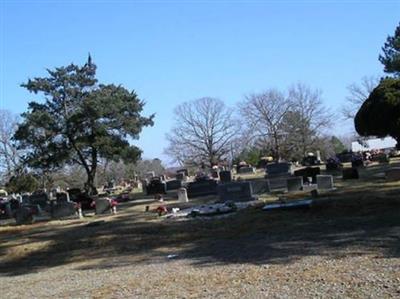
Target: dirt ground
(347, 245)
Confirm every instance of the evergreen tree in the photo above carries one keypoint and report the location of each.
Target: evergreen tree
(80, 121)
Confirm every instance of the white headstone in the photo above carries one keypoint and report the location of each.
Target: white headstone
(182, 195)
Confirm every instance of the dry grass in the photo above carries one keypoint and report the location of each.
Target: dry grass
(357, 226)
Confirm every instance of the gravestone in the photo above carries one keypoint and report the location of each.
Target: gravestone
(393, 174)
(40, 199)
(182, 195)
(246, 170)
(215, 174)
(24, 215)
(277, 183)
(225, 176)
(156, 187)
(184, 171)
(260, 186)
(150, 174)
(202, 188)
(350, 173)
(294, 184)
(180, 176)
(278, 169)
(63, 209)
(174, 184)
(5, 209)
(62, 197)
(325, 182)
(357, 161)
(25, 199)
(235, 191)
(103, 205)
(308, 172)
(333, 164)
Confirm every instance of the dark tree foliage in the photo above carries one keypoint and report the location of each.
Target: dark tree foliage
(380, 114)
(391, 53)
(80, 121)
(22, 183)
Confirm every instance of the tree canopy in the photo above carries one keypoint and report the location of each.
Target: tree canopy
(391, 53)
(203, 132)
(380, 114)
(80, 121)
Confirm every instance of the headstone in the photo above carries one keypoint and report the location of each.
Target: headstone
(184, 171)
(40, 199)
(310, 161)
(246, 170)
(225, 176)
(180, 176)
(325, 182)
(357, 161)
(63, 209)
(278, 183)
(62, 196)
(103, 205)
(308, 172)
(26, 213)
(393, 174)
(294, 184)
(260, 186)
(202, 188)
(182, 195)
(215, 174)
(278, 169)
(174, 184)
(235, 191)
(333, 164)
(350, 173)
(150, 174)
(5, 209)
(156, 187)
(383, 158)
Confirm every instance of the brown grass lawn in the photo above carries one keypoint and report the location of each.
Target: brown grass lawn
(360, 218)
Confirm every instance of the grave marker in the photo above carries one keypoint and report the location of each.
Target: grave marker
(294, 184)
(325, 182)
(235, 191)
(202, 188)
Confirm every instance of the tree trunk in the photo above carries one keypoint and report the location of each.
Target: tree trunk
(89, 185)
(90, 188)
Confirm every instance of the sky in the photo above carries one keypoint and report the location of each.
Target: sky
(170, 52)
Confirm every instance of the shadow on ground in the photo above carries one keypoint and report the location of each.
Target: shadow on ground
(353, 222)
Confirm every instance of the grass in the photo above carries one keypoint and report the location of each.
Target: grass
(361, 215)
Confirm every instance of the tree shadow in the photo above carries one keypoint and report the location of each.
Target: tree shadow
(351, 222)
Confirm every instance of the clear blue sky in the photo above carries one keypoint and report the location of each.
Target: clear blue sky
(174, 51)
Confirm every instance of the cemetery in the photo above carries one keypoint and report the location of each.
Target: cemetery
(209, 211)
(181, 157)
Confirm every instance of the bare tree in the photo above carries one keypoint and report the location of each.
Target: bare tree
(358, 93)
(9, 156)
(263, 115)
(307, 119)
(203, 132)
